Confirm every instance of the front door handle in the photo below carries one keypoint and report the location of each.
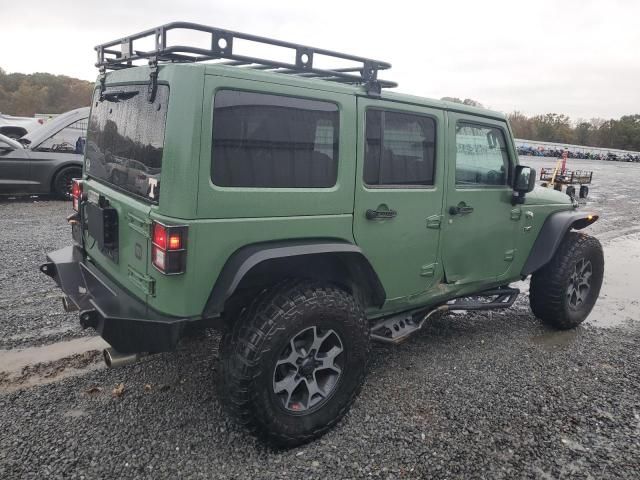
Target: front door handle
(461, 209)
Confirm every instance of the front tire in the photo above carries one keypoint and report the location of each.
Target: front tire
(294, 361)
(564, 291)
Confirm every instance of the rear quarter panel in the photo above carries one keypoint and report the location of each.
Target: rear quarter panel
(228, 218)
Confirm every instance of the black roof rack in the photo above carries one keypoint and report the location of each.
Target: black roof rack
(119, 54)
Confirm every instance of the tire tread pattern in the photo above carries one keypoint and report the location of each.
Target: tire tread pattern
(547, 295)
(245, 344)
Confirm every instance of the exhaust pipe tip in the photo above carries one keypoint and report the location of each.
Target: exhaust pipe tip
(114, 359)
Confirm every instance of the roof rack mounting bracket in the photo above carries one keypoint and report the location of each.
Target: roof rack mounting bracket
(221, 43)
(103, 81)
(152, 88)
(304, 58)
(126, 48)
(374, 89)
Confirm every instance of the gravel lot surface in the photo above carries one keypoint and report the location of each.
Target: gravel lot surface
(484, 395)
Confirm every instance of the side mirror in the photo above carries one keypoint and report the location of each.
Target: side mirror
(524, 181)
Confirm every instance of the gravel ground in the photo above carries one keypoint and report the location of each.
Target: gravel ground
(30, 309)
(484, 395)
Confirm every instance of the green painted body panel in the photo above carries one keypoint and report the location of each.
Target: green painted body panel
(400, 248)
(422, 257)
(475, 245)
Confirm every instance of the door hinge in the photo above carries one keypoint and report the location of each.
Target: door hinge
(140, 225)
(141, 280)
(516, 213)
(509, 255)
(434, 221)
(428, 270)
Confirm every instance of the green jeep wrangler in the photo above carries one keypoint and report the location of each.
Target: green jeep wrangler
(305, 212)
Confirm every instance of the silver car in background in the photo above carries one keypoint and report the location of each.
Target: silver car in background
(46, 160)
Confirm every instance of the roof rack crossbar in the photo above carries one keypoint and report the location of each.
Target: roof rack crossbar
(119, 54)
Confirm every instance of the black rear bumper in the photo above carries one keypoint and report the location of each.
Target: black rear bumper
(125, 322)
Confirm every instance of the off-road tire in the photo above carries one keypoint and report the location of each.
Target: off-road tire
(61, 185)
(250, 348)
(548, 294)
(584, 191)
(571, 191)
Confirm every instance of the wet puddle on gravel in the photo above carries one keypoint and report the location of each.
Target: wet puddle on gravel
(619, 301)
(26, 367)
(553, 339)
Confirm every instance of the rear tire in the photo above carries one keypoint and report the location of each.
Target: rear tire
(63, 182)
(294, 361)
(584, 191)
(564, 291)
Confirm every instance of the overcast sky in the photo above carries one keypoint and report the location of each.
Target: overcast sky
(576, 57)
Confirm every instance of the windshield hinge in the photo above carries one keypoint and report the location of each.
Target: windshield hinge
(153, 79)
(103, 81)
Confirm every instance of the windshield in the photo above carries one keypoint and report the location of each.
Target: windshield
(125, 139)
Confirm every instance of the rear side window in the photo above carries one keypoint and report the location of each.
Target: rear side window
(482, 157)
(271, 141)
(399, 149)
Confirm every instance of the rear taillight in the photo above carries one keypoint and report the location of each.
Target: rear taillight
(168, 248)
(76, 193)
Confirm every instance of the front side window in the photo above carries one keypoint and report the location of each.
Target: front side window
(399, 149)
(273, 141)
(71, 139)
(481, 155)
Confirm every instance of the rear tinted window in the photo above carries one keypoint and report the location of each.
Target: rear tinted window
(125, 139)
(399, 149)
(262, 140)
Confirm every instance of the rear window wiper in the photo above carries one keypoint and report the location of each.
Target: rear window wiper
(118, 95)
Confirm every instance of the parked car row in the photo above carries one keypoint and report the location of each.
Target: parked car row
(47, 159)
(557, 153)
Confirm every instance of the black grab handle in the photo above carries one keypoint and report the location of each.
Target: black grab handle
(378, 214)
(460, 210)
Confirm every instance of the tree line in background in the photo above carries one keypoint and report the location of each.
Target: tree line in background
(622, 134)
(27, 94)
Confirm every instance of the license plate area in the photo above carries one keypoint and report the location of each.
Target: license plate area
(102, 223)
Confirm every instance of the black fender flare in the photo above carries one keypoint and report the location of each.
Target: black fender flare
(243, 260)
(551, 234)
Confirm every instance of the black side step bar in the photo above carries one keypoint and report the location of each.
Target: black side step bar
(396, 329)
(502, 297)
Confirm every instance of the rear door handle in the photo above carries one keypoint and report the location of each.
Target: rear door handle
(461, 209)
(380, 214)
